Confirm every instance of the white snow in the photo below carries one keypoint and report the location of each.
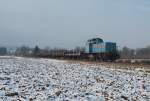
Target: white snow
(28, 79)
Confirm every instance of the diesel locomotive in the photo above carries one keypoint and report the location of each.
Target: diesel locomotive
(96, 49)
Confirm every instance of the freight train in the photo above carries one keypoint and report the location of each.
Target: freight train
(95, 49)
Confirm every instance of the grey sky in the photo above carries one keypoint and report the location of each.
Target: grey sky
(69, 23)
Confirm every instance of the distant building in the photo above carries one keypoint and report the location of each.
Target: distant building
(11, 50)
(3, 50)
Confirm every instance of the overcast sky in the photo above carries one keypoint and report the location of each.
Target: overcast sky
(69, 23)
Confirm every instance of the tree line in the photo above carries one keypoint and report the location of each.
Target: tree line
(139, 53)
(125, 52)
(46, 52)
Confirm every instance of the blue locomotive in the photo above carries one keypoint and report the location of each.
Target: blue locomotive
(95, 49)
(97, 45)
(98, 49)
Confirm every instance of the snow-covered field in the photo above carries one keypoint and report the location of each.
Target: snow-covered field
(26, 79)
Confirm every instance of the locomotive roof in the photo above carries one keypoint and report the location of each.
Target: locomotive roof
(95, 39)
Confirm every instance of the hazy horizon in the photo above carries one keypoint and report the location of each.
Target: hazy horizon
(67, 23)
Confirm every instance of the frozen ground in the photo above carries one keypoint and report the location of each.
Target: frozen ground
(26, 79)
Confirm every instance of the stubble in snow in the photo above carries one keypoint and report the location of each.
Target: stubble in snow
(27, 79)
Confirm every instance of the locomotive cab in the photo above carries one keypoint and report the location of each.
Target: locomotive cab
(90, 44)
